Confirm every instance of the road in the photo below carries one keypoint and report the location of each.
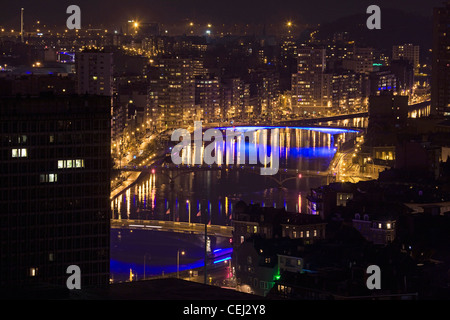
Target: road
(173, 226)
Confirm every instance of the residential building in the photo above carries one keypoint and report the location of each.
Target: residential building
(171, 92)
(440, 77)
(404, 74)
(309, 94)
(324, 200)
(377, 229)
(269, 222)
(346, 91)
(207, 98)
(360, 61)
(94, 69)
(383, 80)
(55, 191)
(408, 52)
(257, 262)
(387, 111)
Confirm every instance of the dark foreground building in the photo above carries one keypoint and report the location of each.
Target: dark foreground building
(54, 191)
(440, 85)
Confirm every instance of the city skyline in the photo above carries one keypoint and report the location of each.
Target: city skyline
(274, 151)
(202, 11)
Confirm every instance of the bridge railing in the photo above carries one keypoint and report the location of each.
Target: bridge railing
(179, 226)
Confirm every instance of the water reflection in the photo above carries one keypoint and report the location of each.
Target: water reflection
(216, 191)
(137, 253)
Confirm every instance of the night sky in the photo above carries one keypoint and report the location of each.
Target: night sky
(173, 11)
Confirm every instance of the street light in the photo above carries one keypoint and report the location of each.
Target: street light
(189, 209)
(178, 262)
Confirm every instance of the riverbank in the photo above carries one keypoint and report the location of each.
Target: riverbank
(131, 177)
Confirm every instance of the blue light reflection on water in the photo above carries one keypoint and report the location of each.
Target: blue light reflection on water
(153, 198)
(300, 149)
(121, 269)
(129, 251)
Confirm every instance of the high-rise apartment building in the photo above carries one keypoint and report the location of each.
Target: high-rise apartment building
(408, 52)
(207, 97)
(232, 97)
(346, 90)
(382, 81)
(309, 83)
(54, 197)
(359, 61)
(387, 111)
(171, 93)
(95, 72)
(440, 85)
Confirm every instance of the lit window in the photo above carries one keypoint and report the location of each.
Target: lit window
(33, 272)
(315, 233)
(78, 163)
(307, 233)
(19, 153)
(52, 177)
(379, 226)
(22, 139)
(388, 225)
(255, 229)
(301, 234)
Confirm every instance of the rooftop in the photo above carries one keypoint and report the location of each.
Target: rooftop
(158, 289)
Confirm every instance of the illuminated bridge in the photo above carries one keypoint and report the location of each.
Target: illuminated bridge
(315, 121)
(415, 110)
(227, 156)
(166, 167)
(172, 226)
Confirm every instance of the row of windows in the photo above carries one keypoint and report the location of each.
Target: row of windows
(63, 164)
(19, 153)
(306, 233)
(15, 139)
(52, 125)
(50, 177)
(290, 262)
(72, 222)
(56, 138)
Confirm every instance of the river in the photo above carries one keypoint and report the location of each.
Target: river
(153, 198)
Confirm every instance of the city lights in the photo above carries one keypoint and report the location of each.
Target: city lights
(244, 151)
